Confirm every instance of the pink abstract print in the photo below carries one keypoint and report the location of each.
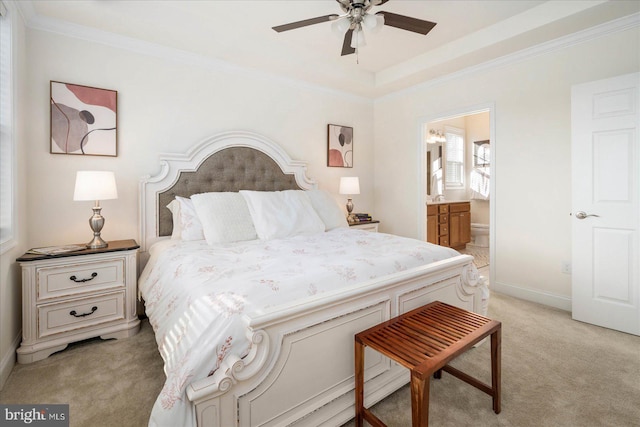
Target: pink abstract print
(340, 150)
(83, 120)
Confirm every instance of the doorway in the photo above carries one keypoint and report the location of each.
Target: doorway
(473, 181)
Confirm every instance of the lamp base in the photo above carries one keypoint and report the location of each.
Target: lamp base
(351, 218)
(96, 222)
(97, 243)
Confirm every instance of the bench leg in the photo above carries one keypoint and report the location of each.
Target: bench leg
(419, 401)
(359, 377)
(437, 374)
(496, 349)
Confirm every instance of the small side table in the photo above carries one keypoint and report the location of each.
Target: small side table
(425, 340)
(366, 225)
(73, 296)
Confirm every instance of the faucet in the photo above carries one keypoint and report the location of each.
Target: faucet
(438, 198)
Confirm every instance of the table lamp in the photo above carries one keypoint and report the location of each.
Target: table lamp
(349, 185)
(95, 185)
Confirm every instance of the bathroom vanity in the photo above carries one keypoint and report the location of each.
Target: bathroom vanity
(449, 224)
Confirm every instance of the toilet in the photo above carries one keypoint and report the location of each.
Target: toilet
(480, 235)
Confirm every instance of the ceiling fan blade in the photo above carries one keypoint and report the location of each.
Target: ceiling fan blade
(346, 45)
(407, 23)
(304, 23)
(378, 2)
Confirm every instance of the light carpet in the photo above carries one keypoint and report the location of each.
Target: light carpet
(555, 372)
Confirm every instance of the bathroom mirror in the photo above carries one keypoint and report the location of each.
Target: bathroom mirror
(434, 169)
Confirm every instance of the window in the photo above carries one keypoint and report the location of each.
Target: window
(454, 156)
(7, 157)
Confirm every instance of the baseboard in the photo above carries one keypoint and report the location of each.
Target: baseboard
(9, 361)
(544, 298)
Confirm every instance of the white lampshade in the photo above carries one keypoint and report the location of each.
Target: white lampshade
(349, 185)
(95, 185)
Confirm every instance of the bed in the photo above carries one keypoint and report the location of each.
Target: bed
(258, 330)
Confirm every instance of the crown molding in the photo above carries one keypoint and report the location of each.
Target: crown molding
(142, 47)
(42, 23)
(598, 31)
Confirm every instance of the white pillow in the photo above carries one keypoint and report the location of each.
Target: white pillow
(279, 214)
(327, 209)
(225, 217)
(186, 225)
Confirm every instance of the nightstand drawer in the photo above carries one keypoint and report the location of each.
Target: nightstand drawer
(366, 226)
(79, 278)
(71, 315)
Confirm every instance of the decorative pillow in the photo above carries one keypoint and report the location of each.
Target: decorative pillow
(327, 209)
(174, 207)
(279, 214)
(225, 217)
(186, 225)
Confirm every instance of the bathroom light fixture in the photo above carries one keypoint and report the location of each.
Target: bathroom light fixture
(95, 185)
(436, 136)
(350, 185)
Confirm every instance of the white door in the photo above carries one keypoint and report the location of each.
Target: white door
(605, 219)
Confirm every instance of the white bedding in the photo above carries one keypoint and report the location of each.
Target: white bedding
(196, 294)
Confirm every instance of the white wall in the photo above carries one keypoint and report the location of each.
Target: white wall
(164, 105)
(168, 106)
(532, 156)
(10, 275)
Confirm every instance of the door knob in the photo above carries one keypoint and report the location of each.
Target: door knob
(583, 215)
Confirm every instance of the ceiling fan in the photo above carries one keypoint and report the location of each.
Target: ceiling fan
(356, 14)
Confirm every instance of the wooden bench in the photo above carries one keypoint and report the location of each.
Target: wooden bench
(425, 340)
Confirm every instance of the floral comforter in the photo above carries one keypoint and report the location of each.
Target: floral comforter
(196, 294)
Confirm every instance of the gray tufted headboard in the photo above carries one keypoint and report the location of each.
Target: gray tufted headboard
(231, 169)
(229, 161)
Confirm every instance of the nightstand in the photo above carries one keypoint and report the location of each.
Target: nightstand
(77, 295)
(366, 225)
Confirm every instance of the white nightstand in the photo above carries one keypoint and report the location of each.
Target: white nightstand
(78, 295)
(366, 225)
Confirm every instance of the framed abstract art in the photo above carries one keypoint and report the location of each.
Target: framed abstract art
(83, 120)
(340, 146)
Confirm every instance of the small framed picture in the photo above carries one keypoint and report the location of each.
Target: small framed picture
(83, 120)
(340, 146)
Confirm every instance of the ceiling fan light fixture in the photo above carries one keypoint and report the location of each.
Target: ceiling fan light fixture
(373, 22)
(340, 25)
(357, 41)
(356, 14)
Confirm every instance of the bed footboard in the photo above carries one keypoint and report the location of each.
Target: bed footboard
(301, 371)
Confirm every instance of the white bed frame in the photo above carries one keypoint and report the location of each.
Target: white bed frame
(300, 369)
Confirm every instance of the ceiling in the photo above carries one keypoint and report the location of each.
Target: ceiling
(238, 32)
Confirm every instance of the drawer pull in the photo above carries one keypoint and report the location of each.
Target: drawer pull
(75, 279)
(75, 314)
